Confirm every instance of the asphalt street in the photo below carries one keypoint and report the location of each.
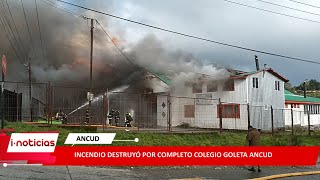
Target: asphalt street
(97, 173)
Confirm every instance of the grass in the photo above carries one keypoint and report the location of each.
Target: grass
(159, 139)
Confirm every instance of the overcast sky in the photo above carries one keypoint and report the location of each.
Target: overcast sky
(225, 22)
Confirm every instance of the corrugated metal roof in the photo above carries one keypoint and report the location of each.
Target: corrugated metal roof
(270, 70)
(164, 78)
(289, 96)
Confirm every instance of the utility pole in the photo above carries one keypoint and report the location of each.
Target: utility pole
(30, 93)
(91, 52)
(304, 89)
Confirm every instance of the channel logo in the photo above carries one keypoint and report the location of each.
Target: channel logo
(32, 142)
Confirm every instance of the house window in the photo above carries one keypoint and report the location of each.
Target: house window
(229, 110)
(212, 87)
(229, 85)
(189, 111)
(197, 88)
(277, 85)
(286, 105)
(255, 82)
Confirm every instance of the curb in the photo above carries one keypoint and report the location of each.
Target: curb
(277, 176)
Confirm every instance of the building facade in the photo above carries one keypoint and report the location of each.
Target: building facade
(243, 96)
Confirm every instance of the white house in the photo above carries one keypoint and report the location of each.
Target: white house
(300, 106)
(261, 89)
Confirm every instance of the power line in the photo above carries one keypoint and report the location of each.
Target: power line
(193, 36)
(82, 17)
(116, 45)
(8, 37)
(126, 57)
(25, 18)
(279, 5)
(14, 24)
(35, 2)
(273, 12)
(52, 4)
(304, 3)
(6, 19)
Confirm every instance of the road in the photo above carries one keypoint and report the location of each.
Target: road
(98, 173)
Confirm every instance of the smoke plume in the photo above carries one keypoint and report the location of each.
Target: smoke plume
(66, 45)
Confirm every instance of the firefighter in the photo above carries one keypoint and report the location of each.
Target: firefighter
(116, 117)
(128, 121)
(64, 118)
(110, 116)
(87, 116)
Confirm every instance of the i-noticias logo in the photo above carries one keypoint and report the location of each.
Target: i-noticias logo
(32, 142)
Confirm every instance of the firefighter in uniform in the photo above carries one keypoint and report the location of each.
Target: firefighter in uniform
(116, 117)
(87, 116)
(63, 118)
(128, 121)
(110, 116)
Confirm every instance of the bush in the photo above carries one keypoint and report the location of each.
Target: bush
(184, 125)
(278, 141)
(295, 141)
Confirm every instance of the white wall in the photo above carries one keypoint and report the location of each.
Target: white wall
(262, 98)
(260, 116)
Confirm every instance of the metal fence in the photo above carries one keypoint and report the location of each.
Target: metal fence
(150, 111)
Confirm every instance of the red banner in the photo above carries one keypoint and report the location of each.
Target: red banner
(163, 155)
(190, 155)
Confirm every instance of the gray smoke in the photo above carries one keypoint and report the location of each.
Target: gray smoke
(66, 41)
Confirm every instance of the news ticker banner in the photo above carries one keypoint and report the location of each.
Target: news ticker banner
(40, 148)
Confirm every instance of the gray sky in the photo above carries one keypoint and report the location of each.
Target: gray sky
(212, 19)
(222, 21)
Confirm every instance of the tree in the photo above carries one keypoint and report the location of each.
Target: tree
(312, 85)
(288, 86)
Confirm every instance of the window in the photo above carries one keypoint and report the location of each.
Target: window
(229, 110)
(277, 85)
(229, 85)
(189, 111)
(286, 105)
(212, 87)
(255, 82)
(197, 88)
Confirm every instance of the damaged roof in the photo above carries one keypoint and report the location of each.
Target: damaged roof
(242, 74)
(163, 78)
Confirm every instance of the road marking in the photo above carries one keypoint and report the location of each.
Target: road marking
(189, 179)
(288, 175)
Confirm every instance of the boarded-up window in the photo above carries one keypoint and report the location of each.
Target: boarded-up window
(197, 88)
(229, 85)
(212, 87)
(189, 111)
(229, 111)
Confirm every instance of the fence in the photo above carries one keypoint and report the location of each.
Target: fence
(19, 103)
(150, 111)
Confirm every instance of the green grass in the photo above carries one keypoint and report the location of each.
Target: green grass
(160, 139)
